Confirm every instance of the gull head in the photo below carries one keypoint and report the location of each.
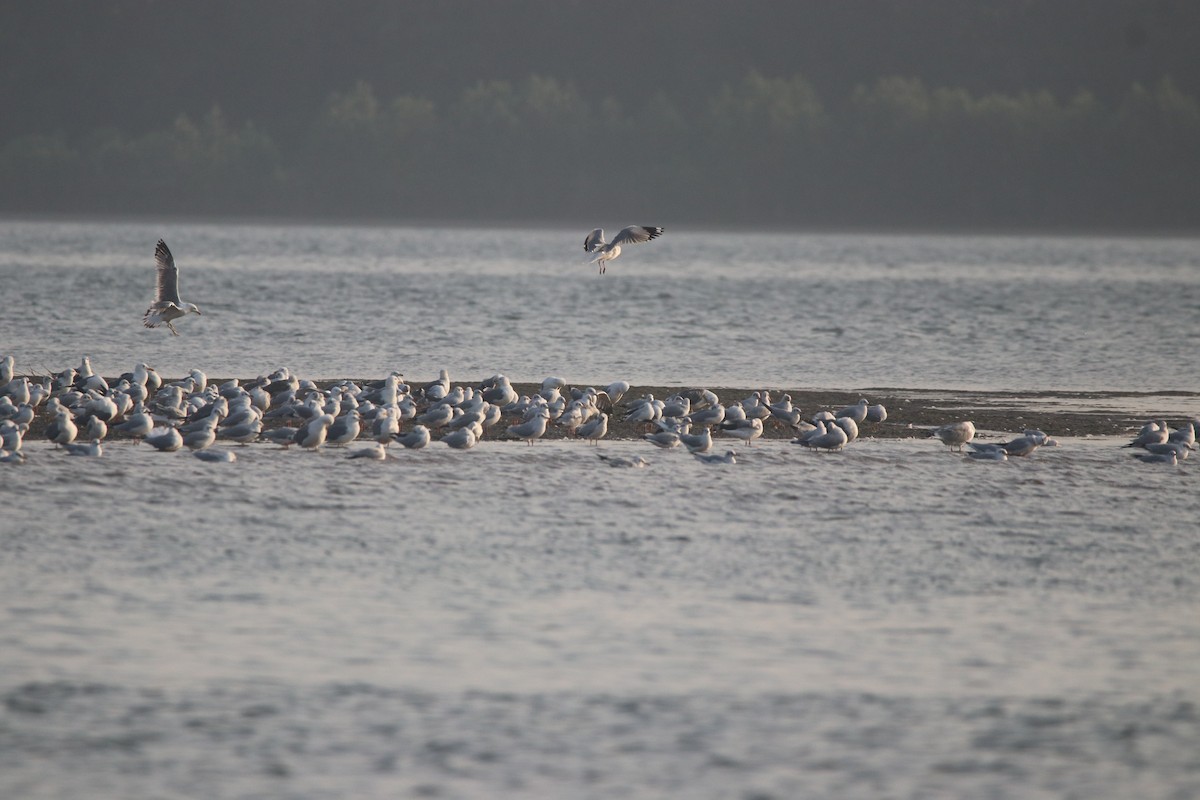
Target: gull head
(191, 308)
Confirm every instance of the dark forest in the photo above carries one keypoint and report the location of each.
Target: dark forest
(933, 115)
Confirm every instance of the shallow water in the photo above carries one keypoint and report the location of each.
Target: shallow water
(520, 621)
(525, 621)
(723, 309)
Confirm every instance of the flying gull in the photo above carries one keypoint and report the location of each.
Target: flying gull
(167, 306)
(607, 251)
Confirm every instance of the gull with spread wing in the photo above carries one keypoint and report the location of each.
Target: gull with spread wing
(607, 251)
(167, 306)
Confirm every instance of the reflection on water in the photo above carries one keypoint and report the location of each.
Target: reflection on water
(526, 620)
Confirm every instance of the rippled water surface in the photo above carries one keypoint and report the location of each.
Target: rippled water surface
(527, 622)
(723, 309)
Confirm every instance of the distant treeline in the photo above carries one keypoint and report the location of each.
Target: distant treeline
(763, 150)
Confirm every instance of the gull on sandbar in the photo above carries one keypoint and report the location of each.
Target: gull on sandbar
(607, 251)
(166, 306)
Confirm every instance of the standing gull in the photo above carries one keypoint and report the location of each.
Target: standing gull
(607, 251)
(956, 434)
(167, 306)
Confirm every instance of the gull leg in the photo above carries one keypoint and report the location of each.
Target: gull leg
(172, 327)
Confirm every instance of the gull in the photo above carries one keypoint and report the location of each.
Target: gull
(1151, 433)
(436, 390)
(311, 434)
(676, 406)
(637, 462)
(96, 429)
(734, 413)
(166, 439)
(713, 415)
(345, 429)
(728, 458)
(63, 430)
(501, 392)
(462, 439)
(956, 434)
(856, 412)
(437, 417)
(1185, 435)
(834, 438)
(415, 439)
(1178, 448)
(375, 452)
(92, 448)
(811, 433)
(203, 436)
(747, 430)
(10, 436)
(243, 433)
(793, 419)
(848, 425)
(663, 439)
(17, 390)
(697, 442)
(616, 390)
(594, 429)
(876, 413)
(166, 306)
(756, 407)
(1157, 458)
(386, 425)
(216, 456)
(646, 410)
(283, 436)
(607, 251)
(1023, 445)
(532, 428)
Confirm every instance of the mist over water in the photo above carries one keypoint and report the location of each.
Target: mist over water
(527, 622)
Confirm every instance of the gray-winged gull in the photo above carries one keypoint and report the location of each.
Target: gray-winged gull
(532, 428)
(311, 434)
(745, 429)
(63, 430)
(461, 439)
(415, 439)
(202, 437)
(594, 429)
(636, 462)
(729, 457)
(607, 251)
(375, 452)
(1157, 458)
(216, 456)
(697, 442)
(91, 448)
(663, 439)
(166, 439)
(166, 306)
(956, 434)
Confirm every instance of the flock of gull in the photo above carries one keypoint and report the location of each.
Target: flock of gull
(79, 410)
(82, 408)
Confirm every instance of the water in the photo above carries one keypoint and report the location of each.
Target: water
(723, 309)
(514, 621)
